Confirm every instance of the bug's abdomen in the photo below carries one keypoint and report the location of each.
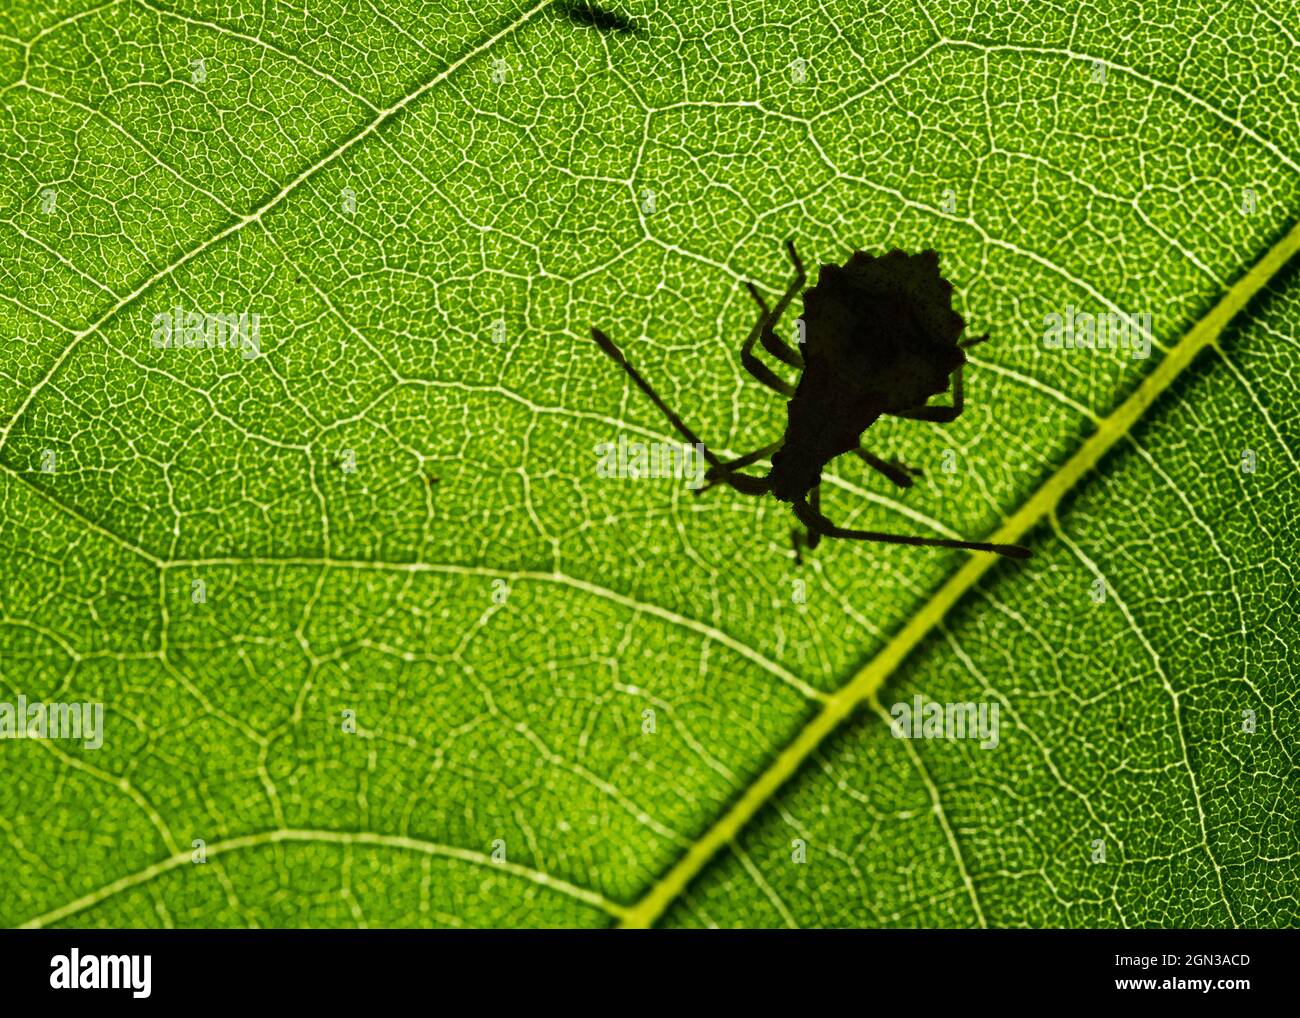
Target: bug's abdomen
(882, 331)
(881, 337)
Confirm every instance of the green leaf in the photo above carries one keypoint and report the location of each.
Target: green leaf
(392, 519)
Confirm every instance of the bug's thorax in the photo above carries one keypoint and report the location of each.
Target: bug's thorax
(818, 428)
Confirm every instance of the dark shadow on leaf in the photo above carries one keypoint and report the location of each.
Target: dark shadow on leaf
(583, 12)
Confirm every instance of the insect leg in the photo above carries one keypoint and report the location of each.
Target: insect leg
(773, 343)
(897, 472)
(812, 518)
(812, 537)
(763, 330)
(718, 474)
(799, 275)
(743, 461)
(743, 483)
(752, 364)
(940, 414)
(778, 347)
(792, 291)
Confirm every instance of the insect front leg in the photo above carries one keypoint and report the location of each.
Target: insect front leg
(718, 474)
(773, 343)
(811, 538)
(778, 347)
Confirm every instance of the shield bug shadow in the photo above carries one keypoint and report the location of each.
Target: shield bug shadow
(590, 15)
(880, 338)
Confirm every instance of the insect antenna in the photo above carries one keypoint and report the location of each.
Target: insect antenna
(741, 482)
(608, 346)
(819, 524)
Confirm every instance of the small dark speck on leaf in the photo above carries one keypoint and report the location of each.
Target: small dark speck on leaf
(583, 12)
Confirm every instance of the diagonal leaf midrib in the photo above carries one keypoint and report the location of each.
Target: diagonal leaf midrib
(862, 687)
(343, 147)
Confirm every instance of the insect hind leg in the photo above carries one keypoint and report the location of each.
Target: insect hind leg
(752, 364)
(942, 414)
(764, 331)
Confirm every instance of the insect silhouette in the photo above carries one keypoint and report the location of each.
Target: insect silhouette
(583, 12)
(880, 338)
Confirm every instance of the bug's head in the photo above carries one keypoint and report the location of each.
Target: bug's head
(882, 332)
(795, 472)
